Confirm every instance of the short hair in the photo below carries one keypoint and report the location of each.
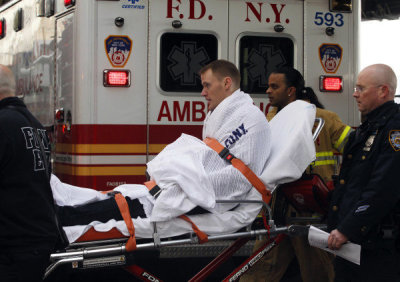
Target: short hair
(221, 69)
(7, 82)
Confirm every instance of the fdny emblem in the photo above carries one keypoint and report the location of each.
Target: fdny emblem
(118, 49)
(330, 56)
(394, 139)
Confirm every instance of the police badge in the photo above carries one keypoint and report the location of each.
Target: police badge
(394, 139)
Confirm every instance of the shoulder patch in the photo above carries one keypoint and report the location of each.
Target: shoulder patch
(394, 139)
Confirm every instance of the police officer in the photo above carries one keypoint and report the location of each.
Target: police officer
(365, 202)
(28, 229)
(287, 85)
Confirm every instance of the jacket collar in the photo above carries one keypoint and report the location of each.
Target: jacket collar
(379, 116)
(11, 101)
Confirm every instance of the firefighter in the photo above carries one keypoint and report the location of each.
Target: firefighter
(28, 232)
(366, 201)
(285, 86)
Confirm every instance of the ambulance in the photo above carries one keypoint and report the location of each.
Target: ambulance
(115, 81)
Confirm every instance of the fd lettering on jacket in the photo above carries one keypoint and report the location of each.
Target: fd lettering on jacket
(31, 142)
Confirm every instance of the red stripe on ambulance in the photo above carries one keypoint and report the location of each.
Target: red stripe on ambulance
(104, 134)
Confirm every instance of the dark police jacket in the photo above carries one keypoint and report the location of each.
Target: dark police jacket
(367, 194)
(27, 219)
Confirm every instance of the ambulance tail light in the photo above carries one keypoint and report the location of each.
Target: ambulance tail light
(116, 78)
(69, 3)
(2, 28)
(330, 83)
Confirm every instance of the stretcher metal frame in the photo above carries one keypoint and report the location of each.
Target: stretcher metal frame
(110, 253)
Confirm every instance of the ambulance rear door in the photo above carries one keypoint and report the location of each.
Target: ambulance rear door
(264, 36)
(184, 36)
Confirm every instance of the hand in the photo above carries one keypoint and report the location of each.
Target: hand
(336, 239)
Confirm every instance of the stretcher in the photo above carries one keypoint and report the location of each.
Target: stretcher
(112, 253)
(109, 249)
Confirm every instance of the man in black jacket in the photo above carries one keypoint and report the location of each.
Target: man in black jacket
(28, 231)
(365, 204)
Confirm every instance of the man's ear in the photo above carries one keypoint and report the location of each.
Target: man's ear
(384, 92)
(227, 83)
(292, 91)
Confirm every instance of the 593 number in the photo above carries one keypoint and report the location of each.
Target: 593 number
(328, 19)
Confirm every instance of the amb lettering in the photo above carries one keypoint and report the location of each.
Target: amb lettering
(197, 10)
(31, 143)
(235, 136)
(182, 111)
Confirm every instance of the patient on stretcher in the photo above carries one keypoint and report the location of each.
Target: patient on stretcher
(192, 176)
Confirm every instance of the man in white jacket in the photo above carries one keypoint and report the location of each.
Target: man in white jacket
(197, 170)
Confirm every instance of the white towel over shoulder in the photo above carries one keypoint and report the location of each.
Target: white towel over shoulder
(292, 146)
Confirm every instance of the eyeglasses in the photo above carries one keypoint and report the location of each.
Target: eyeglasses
(360, 89)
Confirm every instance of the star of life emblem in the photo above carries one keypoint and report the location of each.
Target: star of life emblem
(394, 139)
(263, 61)
(186, 61)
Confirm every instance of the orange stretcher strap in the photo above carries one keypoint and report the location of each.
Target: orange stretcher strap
(150, 184)
(203, 238)
(126, 215)
(238, 164)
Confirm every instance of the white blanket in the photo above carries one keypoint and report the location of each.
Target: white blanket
(291, 148)
(191, 174)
